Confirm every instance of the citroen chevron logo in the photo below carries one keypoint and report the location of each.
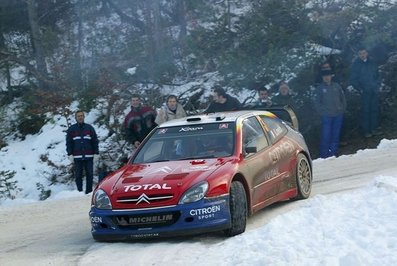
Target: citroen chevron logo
(144, 198)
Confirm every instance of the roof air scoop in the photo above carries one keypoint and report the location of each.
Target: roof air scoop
(193, 119)
(220, 118)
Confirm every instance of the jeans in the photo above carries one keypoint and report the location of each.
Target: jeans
(88, 167)
(330, 134)
(369, 111)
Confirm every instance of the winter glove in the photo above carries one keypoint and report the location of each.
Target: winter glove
(71, 158)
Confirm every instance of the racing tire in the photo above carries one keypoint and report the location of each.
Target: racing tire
(304, 177)
(238, 209)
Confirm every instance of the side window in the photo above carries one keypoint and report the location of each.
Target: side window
(275, 127)
(253, 135)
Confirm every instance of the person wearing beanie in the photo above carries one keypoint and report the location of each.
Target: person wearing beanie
(330, 103)
(284, 97)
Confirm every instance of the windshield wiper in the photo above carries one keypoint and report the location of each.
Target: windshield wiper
(158, 161)
(190, 158)
(198, 157)
(208, 156)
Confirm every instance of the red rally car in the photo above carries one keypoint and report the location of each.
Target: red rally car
(200, 174)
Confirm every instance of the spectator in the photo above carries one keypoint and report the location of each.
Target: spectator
(82, 147)
(222, 102)
(264, 98)
(326, 65)
(364, 77)
(330, 103)
(284, 96)
(139, 121)
(171, 110)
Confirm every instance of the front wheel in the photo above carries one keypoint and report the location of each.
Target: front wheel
(303, 177)
(238, 209)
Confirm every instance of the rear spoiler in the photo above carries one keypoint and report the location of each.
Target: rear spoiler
(285, 113)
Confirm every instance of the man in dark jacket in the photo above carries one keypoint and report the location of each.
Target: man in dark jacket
(139, 121)
(364, 77)
(330, 103)
(222, 102)
(82, 147)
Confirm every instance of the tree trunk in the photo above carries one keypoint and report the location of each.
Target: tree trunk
(228, 16)
(79, 58)
(181, 45)
(157, 30)
(36, 41)
(181, 9)
(152, 35)
(6, 64)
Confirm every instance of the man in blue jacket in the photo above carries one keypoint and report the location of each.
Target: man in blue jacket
(364, 77)
(330, 103)
(82, 147)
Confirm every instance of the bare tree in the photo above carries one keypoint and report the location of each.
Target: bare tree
(5, 63)
(36, 40)
(153, 31)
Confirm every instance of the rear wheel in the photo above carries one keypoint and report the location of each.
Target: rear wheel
(238, 209)
(303, 177)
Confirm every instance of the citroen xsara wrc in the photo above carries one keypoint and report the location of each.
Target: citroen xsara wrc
(202, 174)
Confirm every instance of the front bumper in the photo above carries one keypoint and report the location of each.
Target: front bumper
(206, 215)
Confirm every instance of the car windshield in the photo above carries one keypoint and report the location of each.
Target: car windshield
(188, 142)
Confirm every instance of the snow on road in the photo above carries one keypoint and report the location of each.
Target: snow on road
(348, 220)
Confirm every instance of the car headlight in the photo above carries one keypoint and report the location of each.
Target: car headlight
(101, 200)
(195, 193)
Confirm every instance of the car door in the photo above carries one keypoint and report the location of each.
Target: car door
(282, 152)
(257, 160)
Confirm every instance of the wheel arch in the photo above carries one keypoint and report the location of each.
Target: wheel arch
(306, 153)
(239, 177)
(303, 187)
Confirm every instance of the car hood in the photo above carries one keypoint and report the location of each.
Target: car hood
(156, 184)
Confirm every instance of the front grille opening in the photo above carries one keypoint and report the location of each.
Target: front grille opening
(145, 221)
(148, 199)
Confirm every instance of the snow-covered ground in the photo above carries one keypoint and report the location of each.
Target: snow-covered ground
(357, 227)
(350, 219)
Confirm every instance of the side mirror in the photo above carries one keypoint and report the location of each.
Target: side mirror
(251, 149)
(123, 160)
